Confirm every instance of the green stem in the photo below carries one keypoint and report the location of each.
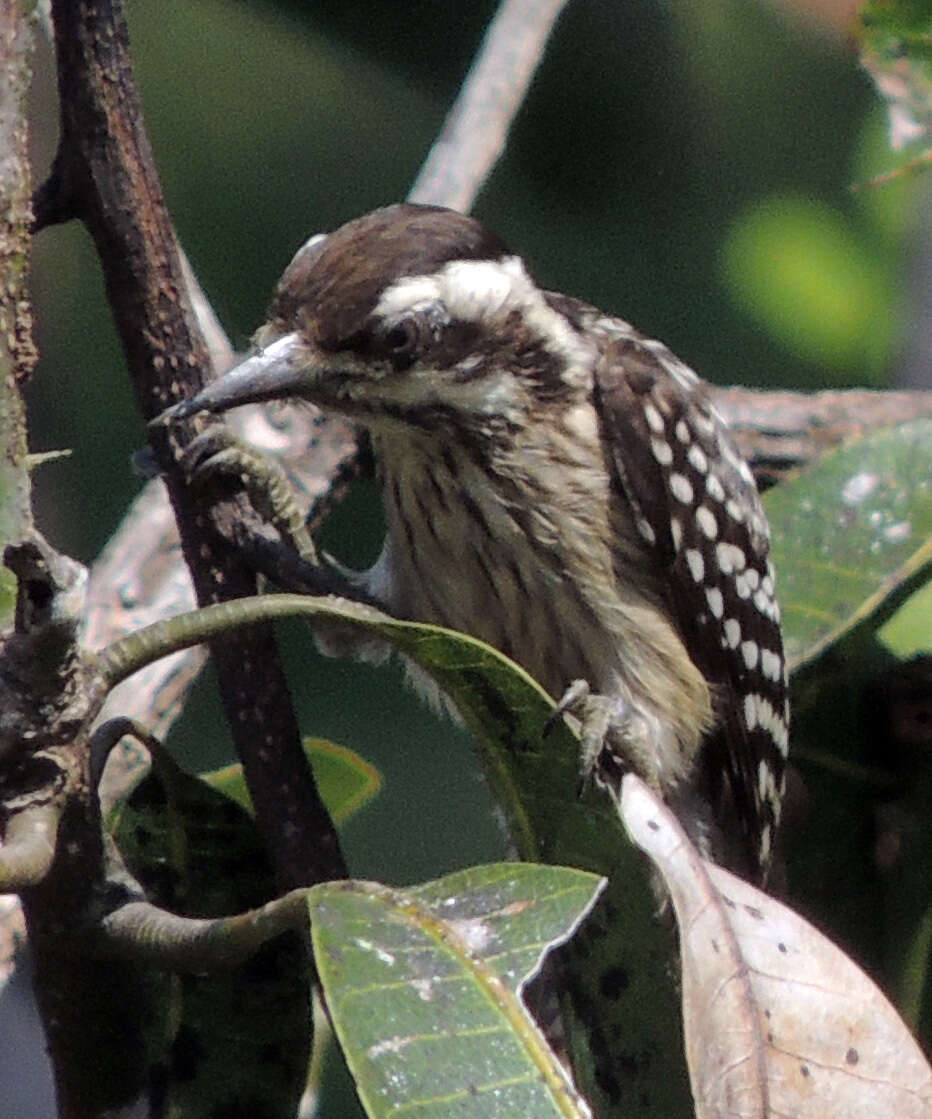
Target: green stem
(161, 639)
(28, 847)
(145, 933)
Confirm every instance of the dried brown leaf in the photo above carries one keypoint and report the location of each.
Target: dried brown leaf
(778, 1021)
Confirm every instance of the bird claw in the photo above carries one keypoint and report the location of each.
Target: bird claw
(217, 454)
(600, 722)
(568, 702)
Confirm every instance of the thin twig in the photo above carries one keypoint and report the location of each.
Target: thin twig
(474, 134)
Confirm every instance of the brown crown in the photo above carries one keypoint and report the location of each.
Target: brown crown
(330, 290)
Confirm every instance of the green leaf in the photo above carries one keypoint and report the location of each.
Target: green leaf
(345, 780)
(852, 536)
(909, 631)
(617, 968)
(235, 1043)
(423, 988)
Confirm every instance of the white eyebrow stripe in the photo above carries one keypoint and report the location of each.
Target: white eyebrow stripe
(469, 290)
(475, 289)
(406, 295)
(478, 290)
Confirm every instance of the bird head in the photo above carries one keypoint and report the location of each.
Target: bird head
(410, 314)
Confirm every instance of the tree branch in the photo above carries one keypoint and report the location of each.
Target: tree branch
(105, 169)
(779, 432)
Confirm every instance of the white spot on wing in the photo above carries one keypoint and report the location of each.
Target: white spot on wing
(714, 487)
(706, 521)
(696, 564)
(662, 451)
(734, 510)
(764, 780)
(764, 603)
(742, 589)
(716, 603)
(646, 530)
(771, 665)
(697, 458)
(654, 419)
(703, 424)
(681, 488)
(763, 852)
(723, 556)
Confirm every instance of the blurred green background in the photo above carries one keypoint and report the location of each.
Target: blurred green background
(686, 165)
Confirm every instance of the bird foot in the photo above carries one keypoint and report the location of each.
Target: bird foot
(612, 739)
(217, 453)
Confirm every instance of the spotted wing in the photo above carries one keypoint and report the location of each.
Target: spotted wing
(696, 507)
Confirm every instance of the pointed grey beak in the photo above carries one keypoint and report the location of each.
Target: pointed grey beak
(271, 374)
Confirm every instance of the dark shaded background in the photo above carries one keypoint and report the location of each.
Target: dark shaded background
(684, 164)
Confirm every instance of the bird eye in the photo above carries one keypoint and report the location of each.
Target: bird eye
(402, 338)
(401, 341)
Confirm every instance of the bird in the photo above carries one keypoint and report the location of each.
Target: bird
(557, 484)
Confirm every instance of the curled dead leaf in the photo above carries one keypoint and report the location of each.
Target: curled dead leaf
(778, 1020)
